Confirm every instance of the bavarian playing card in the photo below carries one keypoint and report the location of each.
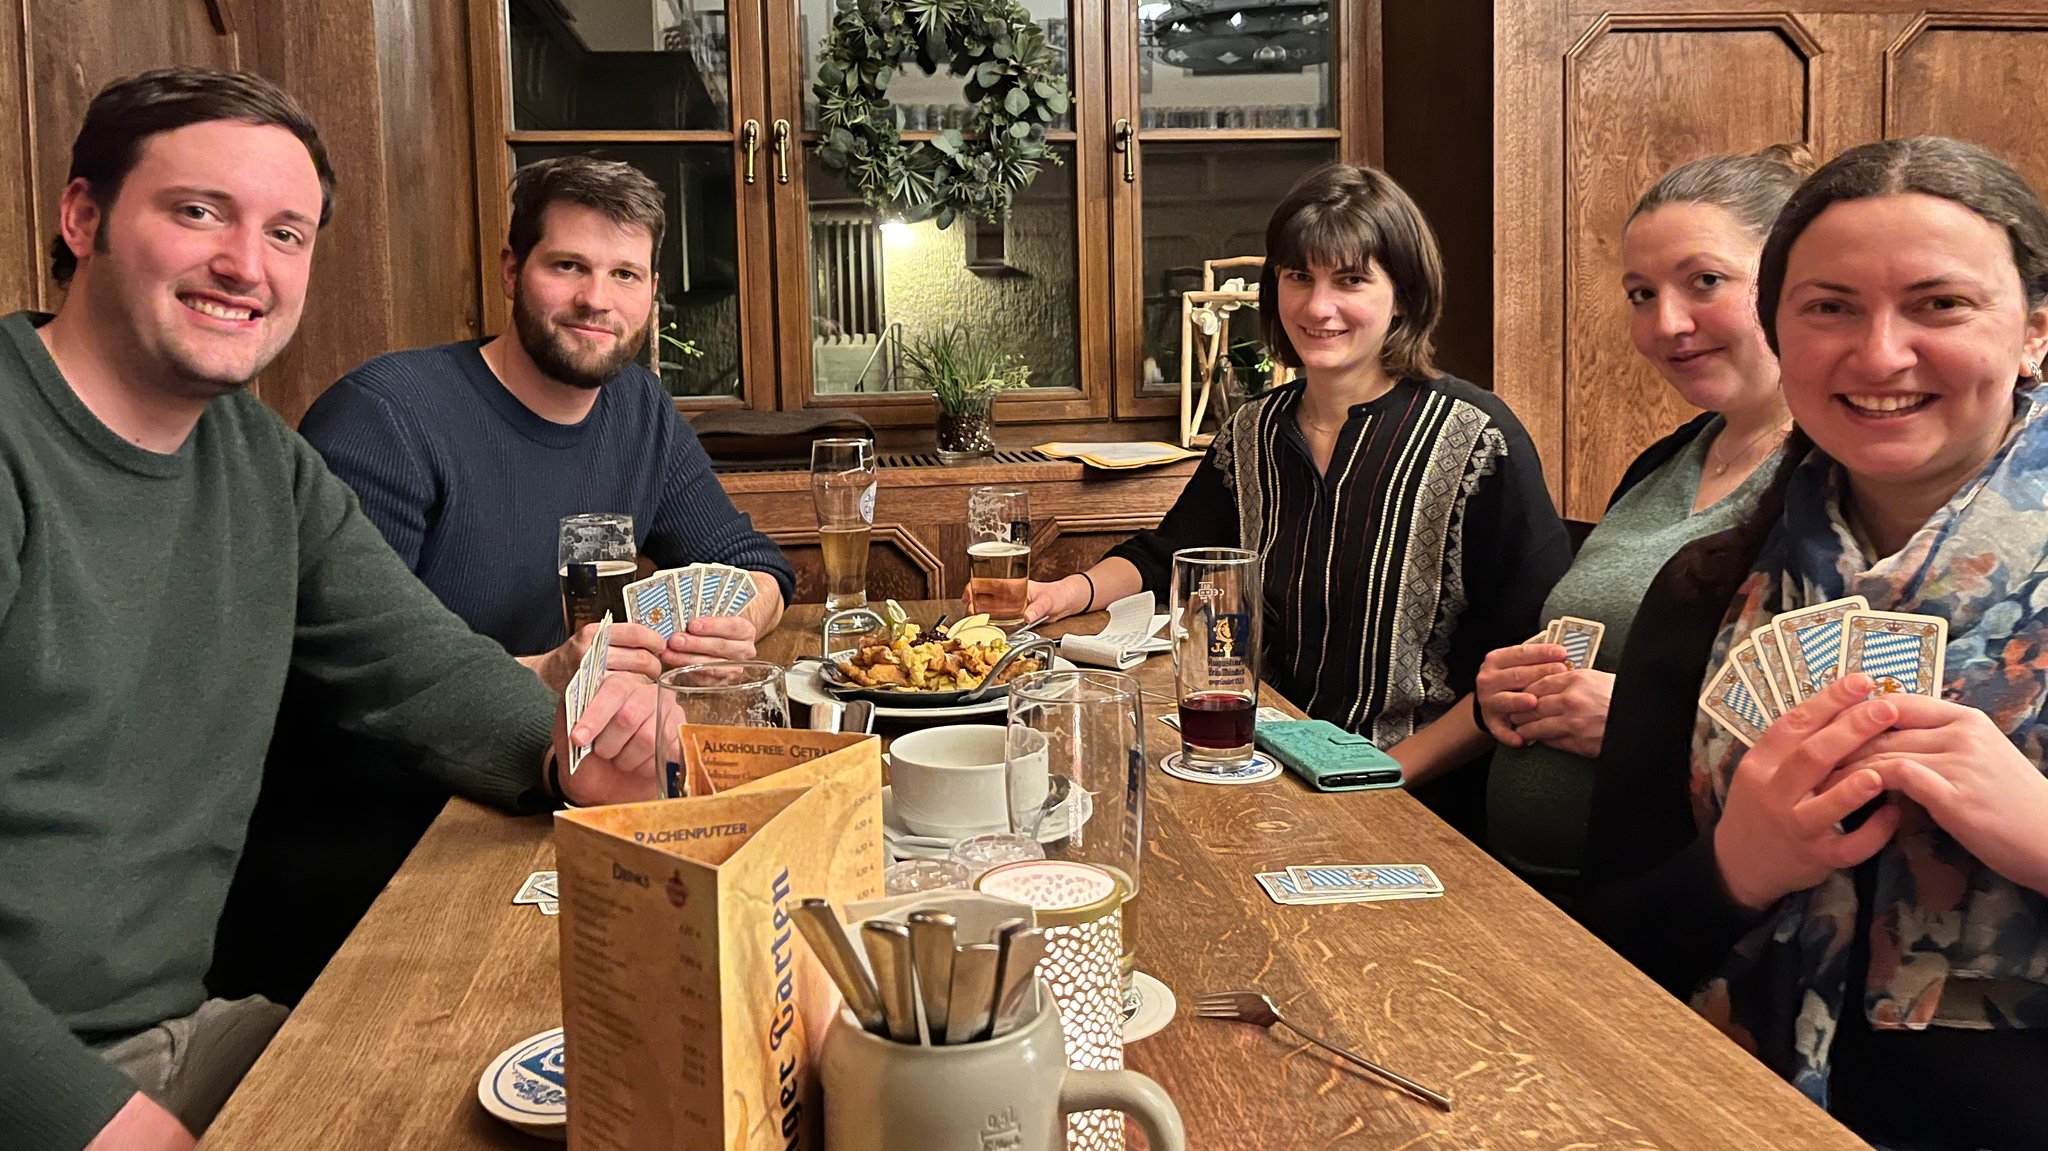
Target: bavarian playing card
(1903, 653)
(1770, 654)
(1811, 639)
(1731, 706)
(538, 886)
(584, 683)
(1750, 667)
(651, 603)
(1581, 639)
(1380, 880)
(689, 591)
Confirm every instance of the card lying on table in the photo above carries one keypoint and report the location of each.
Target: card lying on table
(1350, 883)
(1781, 665)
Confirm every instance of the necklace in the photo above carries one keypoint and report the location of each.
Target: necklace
(1731, 461)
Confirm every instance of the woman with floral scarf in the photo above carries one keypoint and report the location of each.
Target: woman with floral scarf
(1858, 899)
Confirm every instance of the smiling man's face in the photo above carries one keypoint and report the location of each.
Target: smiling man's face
(583, 298)
(201, 260)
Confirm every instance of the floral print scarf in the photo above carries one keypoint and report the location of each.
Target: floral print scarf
(1952, 943)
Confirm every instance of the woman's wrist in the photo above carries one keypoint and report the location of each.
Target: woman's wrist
(1088, 596)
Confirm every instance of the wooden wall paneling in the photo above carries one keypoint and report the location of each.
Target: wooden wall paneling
(324, 52)
(902, 565)
(1642, 95)
(1953, 75)
(1439, 148)
(431, 247)
(490, 117)
(20, 283)
(1062, 545)
(1528, 243)
(1360, 94)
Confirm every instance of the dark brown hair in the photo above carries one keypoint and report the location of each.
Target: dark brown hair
(619, 190)
(1930, 166)
(1345, 216)
(127, 112)
(1750, 188)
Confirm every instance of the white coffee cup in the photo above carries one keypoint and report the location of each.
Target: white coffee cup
(947, 782)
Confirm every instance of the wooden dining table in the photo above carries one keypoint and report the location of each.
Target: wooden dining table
(1543, 1037)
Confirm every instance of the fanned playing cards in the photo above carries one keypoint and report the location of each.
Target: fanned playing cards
(668, 600)
(1781, 665)
(1580, 637)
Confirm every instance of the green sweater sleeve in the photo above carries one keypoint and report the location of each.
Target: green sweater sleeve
(59, 1093)
(396, 667)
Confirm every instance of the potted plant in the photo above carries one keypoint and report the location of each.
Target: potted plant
(964, 373)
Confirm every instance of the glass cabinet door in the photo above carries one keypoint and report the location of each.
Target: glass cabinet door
(1228, 103)
(652, 83)
(860, 286)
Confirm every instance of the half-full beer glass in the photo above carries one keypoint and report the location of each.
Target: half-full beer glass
(1217, 597)
(843, 487)
(595, 555)
(999, 551)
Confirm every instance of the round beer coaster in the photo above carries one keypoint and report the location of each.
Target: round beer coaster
(1156, 1005)
(1261, 768)
(526, 1086)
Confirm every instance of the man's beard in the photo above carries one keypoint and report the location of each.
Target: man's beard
(552, 352)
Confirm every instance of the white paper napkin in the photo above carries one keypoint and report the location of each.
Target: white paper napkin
(1131, 634)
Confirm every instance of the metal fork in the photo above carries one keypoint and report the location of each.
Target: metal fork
(1254, 1007)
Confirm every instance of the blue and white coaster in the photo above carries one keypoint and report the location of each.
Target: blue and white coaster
(527, 1086)
(1261, 768)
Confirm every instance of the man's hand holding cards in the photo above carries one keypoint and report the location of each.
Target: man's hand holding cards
(605, 731)
(1800, 652)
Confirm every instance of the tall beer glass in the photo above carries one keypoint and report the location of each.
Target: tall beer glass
(1218, 595)
(595, 556)
(843, 487)
(999, 551)
(1074, 757)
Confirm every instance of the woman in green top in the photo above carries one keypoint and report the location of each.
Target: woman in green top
(1689, 257)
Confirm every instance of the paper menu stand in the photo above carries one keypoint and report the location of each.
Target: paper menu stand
(690, 1005)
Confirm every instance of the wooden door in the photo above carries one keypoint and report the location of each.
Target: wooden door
(1592, 104)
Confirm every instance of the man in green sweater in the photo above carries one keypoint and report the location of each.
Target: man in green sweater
(169, 552)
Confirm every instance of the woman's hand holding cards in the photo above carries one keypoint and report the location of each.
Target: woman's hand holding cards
(1570, 713)
(1505, 682)
(1952, 760)
(1779, 830)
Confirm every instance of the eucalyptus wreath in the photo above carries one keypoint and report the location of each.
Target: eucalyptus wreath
(1013, 83)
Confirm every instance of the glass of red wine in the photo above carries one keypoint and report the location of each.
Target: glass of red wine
(1217, 595)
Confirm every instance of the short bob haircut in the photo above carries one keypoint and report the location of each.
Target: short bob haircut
(1345, 216)
(1937, 166)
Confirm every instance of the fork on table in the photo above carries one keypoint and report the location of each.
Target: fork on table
(1254, 1007)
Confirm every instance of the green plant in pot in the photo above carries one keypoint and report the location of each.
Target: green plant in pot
(964, 373)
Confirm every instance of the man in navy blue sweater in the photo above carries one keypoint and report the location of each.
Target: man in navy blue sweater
(466, 456)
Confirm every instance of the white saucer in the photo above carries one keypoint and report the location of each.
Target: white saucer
(806, 685)
(1156, 1006)
(1261, 768)
(526, 1086)
(903, 843)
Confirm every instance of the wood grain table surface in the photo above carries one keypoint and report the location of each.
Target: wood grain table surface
(1544, 1037)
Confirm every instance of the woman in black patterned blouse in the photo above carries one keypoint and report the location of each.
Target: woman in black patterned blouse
(1401, 512)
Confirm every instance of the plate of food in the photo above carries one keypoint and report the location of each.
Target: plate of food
(910, 673)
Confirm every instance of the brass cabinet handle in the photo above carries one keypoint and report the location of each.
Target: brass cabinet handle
(1127, 143)
(750, 139)
(782, 151)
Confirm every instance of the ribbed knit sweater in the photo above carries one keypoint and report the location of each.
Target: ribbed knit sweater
(470, 485)
(151, 607)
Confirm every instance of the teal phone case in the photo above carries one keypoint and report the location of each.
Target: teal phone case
(1327, 757)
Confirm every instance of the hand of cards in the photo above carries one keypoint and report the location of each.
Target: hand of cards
(1350, 883)
(669, 599)
(583, 685)
(1580, 637)
(1778, 667)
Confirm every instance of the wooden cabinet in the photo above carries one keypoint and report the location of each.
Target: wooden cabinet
(1190, 119)
(919, 548)
(1592, 102)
